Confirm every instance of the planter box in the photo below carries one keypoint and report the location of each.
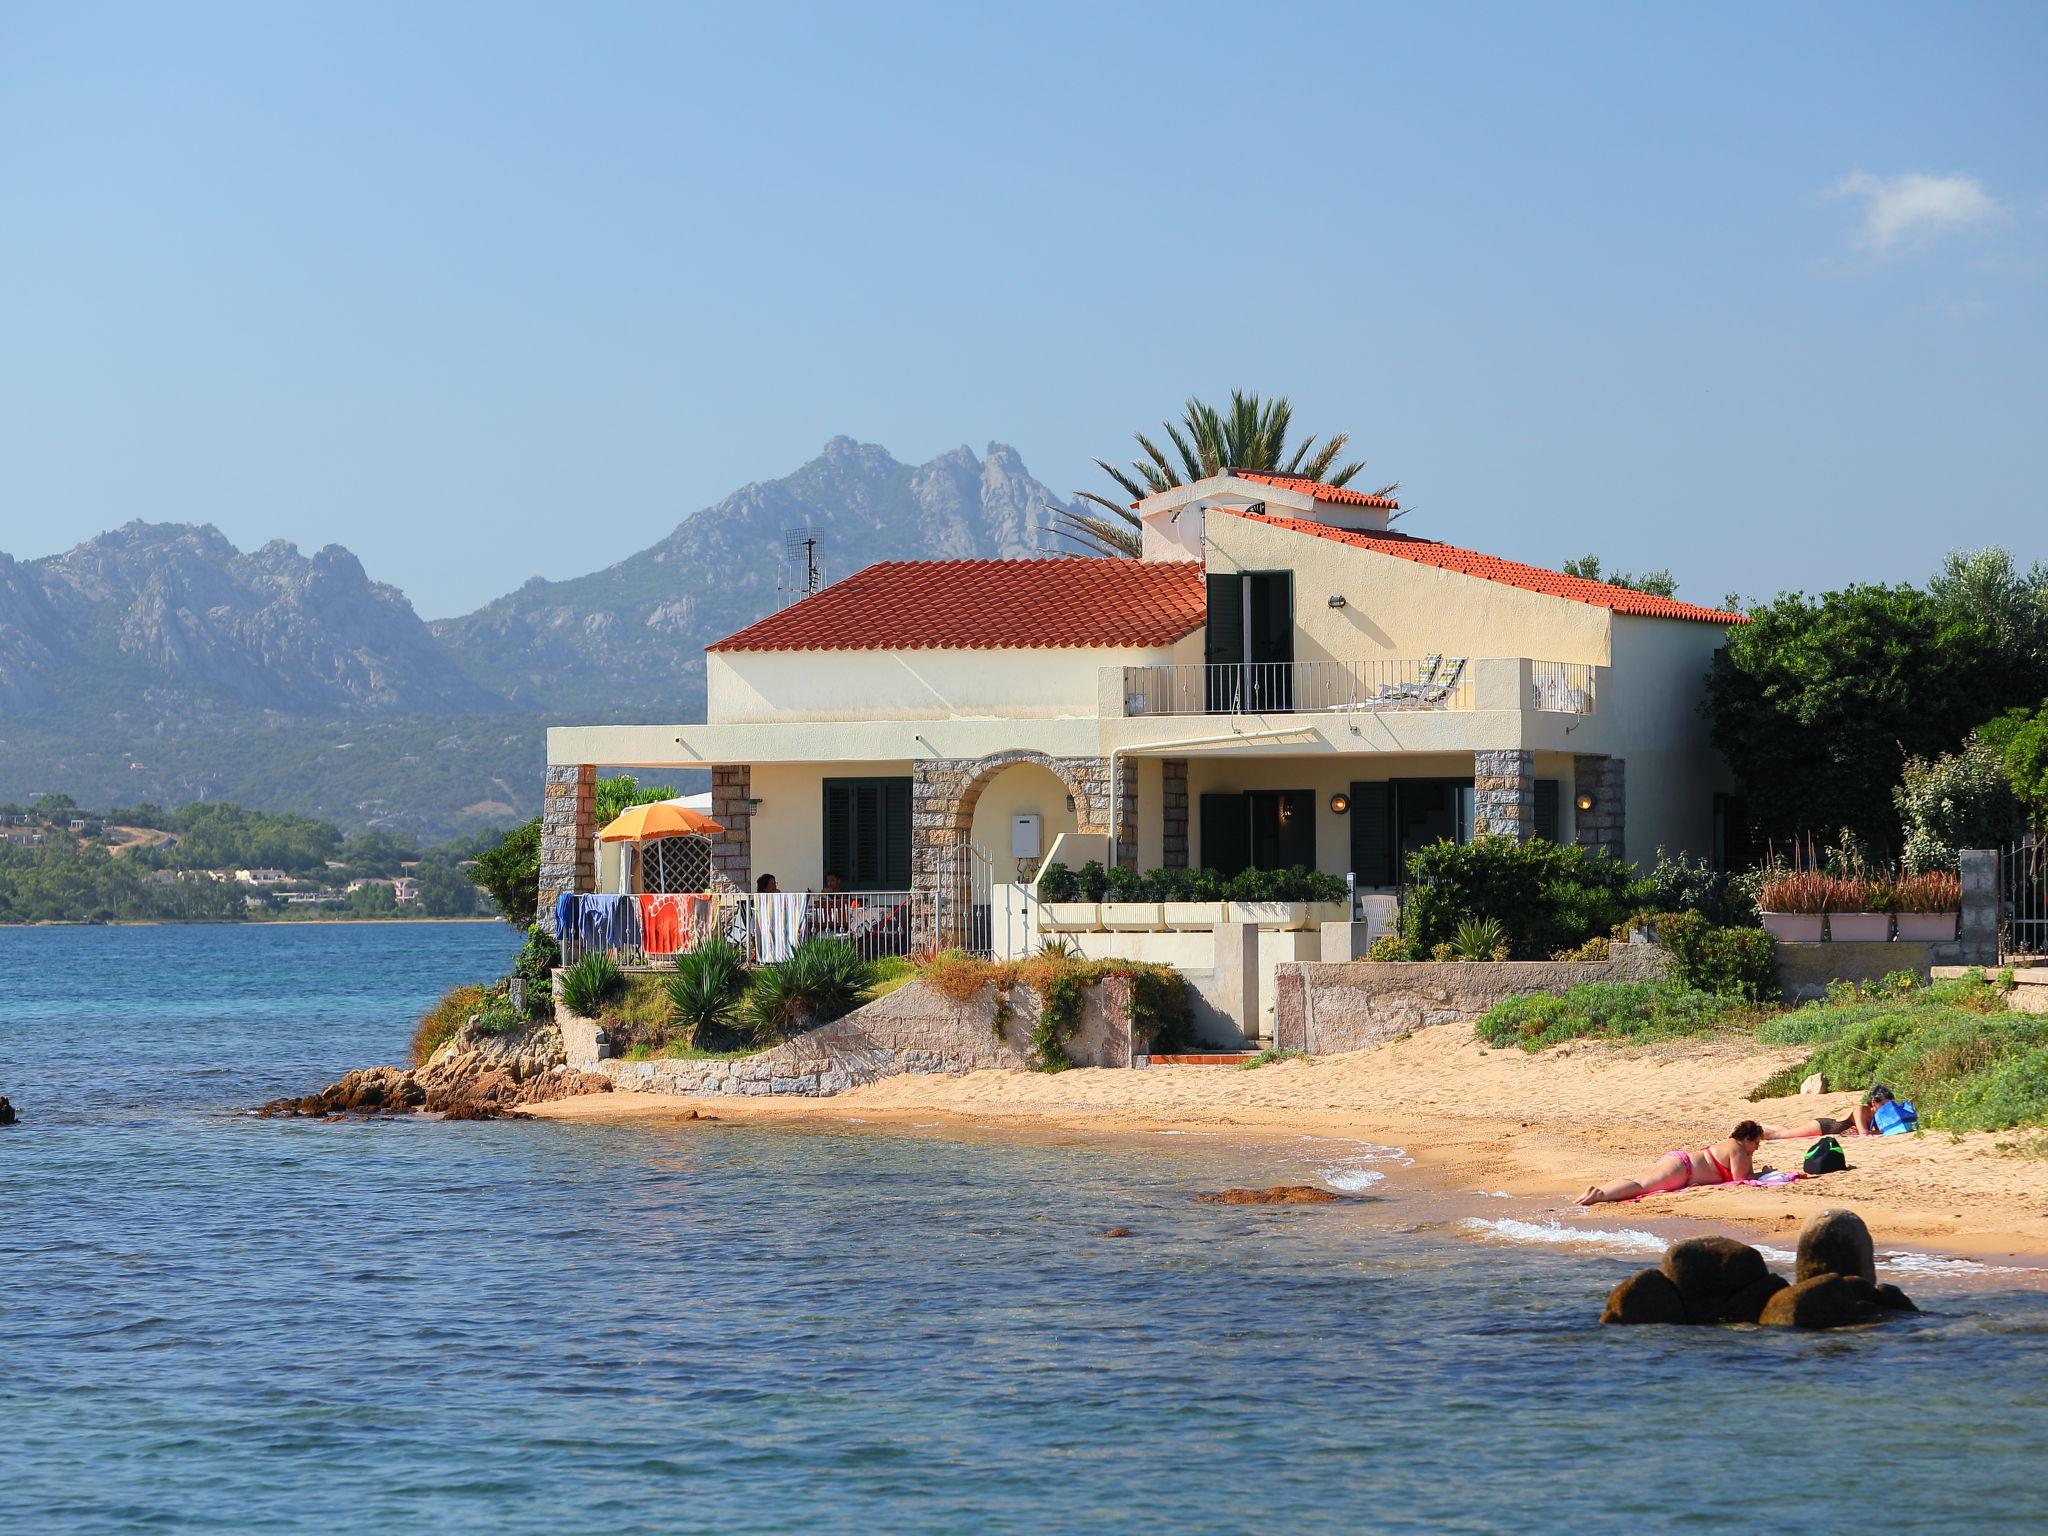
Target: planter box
(1321, 912)
(1273, 916)
(1859, 927)
(1793, 927)
(1131, 916)
(1928, 927)
(1069, 916)
(1192, 914)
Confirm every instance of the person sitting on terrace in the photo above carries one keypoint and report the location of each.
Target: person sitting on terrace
(1723, 1162)
(766, 886)
(1856, 1123)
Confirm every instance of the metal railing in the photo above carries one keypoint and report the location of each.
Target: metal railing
(879, 924)
(1563, 687)
(2023, 898)
(1297, 687)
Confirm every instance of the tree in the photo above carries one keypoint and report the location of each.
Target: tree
(1661, 583)
(2020, 740)
(443, 890)
(1252, 434)
(510, 872)
(1955, 801)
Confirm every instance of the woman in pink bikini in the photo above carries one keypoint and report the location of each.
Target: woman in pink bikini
(1725, 1162)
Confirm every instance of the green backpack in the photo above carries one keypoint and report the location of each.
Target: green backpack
(1824, 1156)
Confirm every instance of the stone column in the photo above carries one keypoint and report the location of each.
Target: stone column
(1173, 810)
(568, 832)
(732, 851)
(1504, 794)
(1979, 932)
(1127, 813)
(1605, 825)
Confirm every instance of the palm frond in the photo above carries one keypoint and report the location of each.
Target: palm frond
(1121, 479)
(1098, 535)
(1104, 502)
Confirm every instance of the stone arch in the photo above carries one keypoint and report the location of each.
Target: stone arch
(1090, 800)
(944, 792)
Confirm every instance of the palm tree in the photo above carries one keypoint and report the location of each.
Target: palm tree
(1252, 434)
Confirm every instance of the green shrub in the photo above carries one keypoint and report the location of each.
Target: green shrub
(590, 983)
(497, 1016)
(1682, 885)
(1389, 947)
(1730, 962)
(823, 979)
(1056, 882)
(1545, 897)
(535, 965)
(704, 993)
(1162, 1008)
(1094, 880)
(1629, 1010)
(1120, 884)
(1295, 883)
(438, 1027)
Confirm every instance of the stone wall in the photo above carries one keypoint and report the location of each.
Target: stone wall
(1804, 970)
(732, 807)
(914, 1029)
(1604, 827)
(1504, 794)
(1173, 812)
(568, 832)
(943, 792)
(1322, 1008)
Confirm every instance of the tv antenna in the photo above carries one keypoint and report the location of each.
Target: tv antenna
(803, 563)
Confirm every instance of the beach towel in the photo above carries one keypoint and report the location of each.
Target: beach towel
(1775, 1179)
(610, 922)
(661, 923)
(568, 915)
(778, 924)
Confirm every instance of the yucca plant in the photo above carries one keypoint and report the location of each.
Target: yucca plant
(590, 983)
(822, 979)
(704, 992)
(1481, 938)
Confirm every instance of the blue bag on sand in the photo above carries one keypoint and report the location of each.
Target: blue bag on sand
(1894, 1119)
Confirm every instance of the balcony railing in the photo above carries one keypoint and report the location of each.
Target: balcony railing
(1298, 687)
(1563, 687)
(878, 924)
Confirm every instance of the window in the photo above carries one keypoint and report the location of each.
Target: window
(867, 833)
(1249, 641)
(1259, 829)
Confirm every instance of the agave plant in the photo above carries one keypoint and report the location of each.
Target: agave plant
(590, 983)
(704, 992)
(1481, 938)
(822, 979)
(1252, 434)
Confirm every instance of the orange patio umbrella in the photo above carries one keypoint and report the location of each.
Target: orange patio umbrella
(644, 823)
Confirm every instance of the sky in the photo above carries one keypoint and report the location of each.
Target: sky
(488, 291)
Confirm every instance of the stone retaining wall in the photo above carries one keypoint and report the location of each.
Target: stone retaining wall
(1326, 1007)
(913, 1029)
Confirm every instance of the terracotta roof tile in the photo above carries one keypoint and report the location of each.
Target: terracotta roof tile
(1341, 495)
(988, 605)
(1512, 573)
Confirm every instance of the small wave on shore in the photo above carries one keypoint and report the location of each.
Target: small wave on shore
(1351, 1166)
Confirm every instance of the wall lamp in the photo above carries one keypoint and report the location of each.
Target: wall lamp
(1336, 599)
(1340, 803)
(1584, 802)
(753, 805)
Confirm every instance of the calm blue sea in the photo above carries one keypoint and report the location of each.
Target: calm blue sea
(212, 1322)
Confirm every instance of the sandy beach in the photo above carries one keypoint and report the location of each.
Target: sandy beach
(1539, 1128)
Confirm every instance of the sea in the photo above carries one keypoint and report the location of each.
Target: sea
(215, 1322)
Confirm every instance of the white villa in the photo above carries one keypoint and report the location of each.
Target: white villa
(1282, 679)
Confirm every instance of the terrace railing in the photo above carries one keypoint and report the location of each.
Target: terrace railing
(1563, 687)
(2023, 899)
(1296, 687)
(878, 924)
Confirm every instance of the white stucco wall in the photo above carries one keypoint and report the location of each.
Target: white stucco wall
(789, 828)
(1652, 704)
(1019, 790)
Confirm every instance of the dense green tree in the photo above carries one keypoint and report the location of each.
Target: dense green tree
(444, 892)
(1661, 583)
(510, 872)
(1251, 434)
(2020, 740)
(377, 852)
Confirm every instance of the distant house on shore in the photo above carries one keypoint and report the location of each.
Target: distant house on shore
(261, 876)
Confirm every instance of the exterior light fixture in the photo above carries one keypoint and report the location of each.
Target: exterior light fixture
(1070, 802)
(1340, 803)
(1584, 802)
(1336, 599)
(753, 804)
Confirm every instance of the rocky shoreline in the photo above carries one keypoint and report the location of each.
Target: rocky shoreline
(473, 1076)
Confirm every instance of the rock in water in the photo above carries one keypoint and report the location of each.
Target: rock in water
(7, 1115)
(1710, 1272)
(1836, 1243)
(1747, 1305)
(1648, 1296)
(1824, 1301)
(1892, 1299)
(1279, 1194)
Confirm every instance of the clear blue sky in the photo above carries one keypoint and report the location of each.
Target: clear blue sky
(485, 290)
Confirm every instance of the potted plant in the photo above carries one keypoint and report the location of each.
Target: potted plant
(1859, 911)
(1929, 906)
(1125, 908)
(1329, 898)
(1064, 906)
(1794, 905)
(1189, 898)
(1266, 899)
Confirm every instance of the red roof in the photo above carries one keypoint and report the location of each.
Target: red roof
(920, 605)
(1340, 494)
(1532, 578)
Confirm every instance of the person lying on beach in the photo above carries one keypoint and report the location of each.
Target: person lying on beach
(1724, 1162)
(1858, 1122)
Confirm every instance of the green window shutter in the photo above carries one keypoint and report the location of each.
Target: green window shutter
(1223, 640)
(1372, 844)
(838, 799)
(867, 833)
(1546, 809)
(895, 868)
(1226, 833)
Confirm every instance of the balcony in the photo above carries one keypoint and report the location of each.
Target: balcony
(1431, 684)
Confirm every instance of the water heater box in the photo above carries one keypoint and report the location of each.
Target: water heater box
(1026, 836)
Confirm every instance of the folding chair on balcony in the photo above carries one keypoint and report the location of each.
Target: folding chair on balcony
(1436, 693)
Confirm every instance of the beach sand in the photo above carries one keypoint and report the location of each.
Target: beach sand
(1539, 1128)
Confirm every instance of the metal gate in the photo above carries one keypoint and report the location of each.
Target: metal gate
(961, 901)
(2023, 897)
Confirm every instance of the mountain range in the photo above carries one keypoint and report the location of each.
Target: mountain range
(158, 662)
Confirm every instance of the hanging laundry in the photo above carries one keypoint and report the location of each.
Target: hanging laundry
(778, 924)
(662, 927)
